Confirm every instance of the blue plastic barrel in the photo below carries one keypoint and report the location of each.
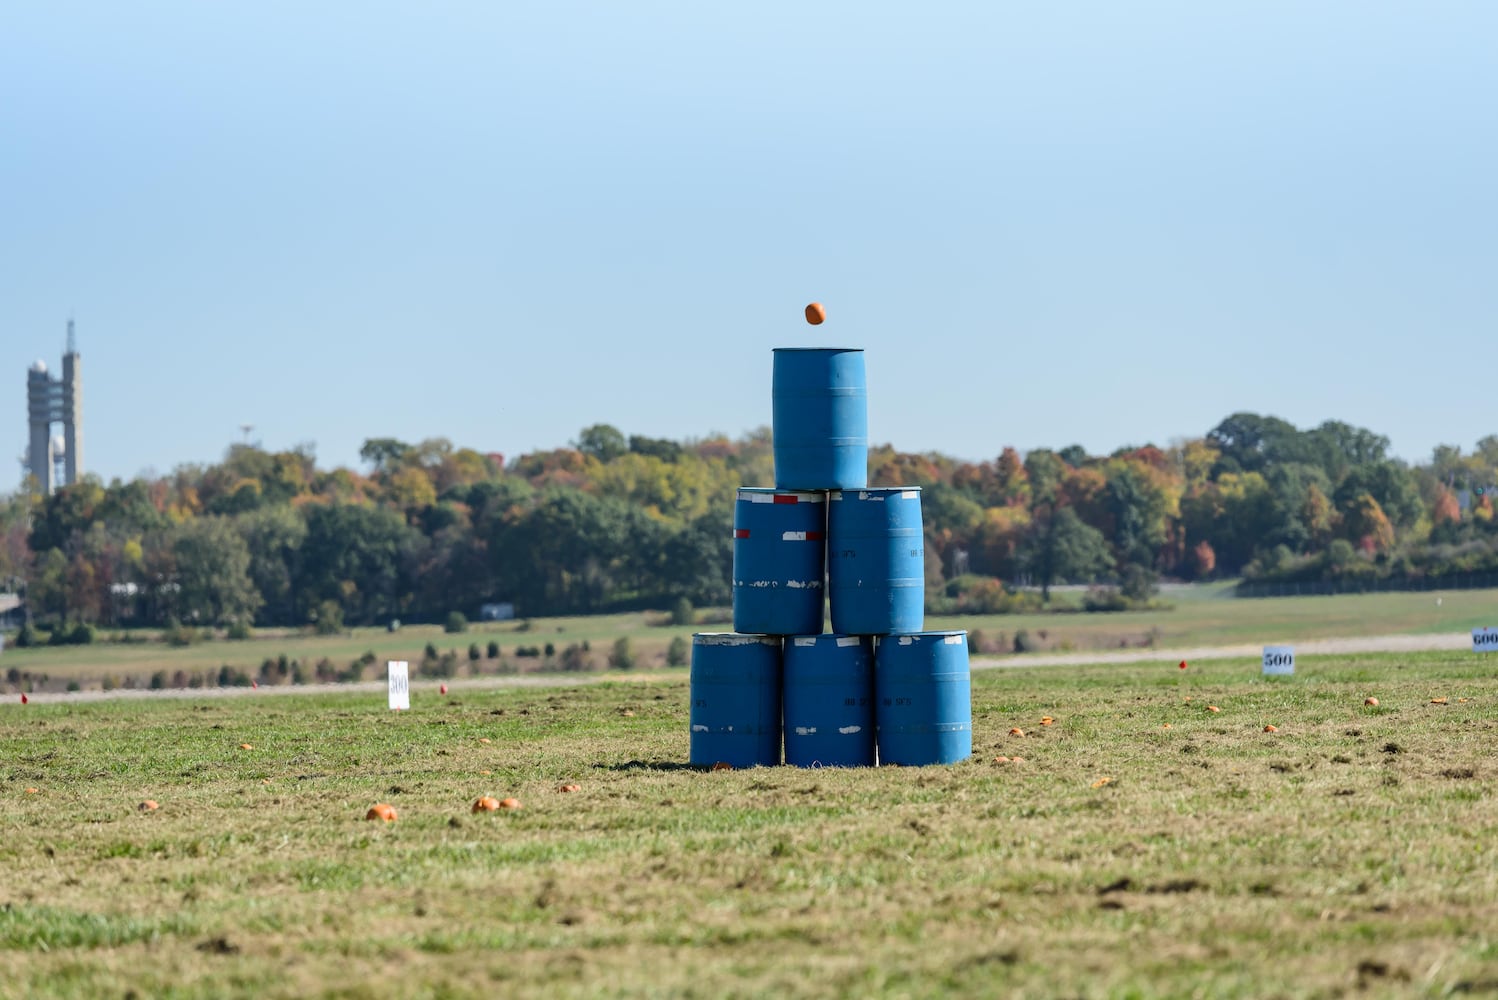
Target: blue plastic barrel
(779, 561)
(829, 701)
(735, 699)
(876, 561)
(821, 419)
(923, 698)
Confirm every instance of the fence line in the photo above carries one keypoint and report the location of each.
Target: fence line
(1322, 588)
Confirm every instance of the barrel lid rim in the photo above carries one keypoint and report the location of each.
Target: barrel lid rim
(829, 635)
(873, 489)
(777, 489)
(859, 350)
(745, 636)
(924, 633)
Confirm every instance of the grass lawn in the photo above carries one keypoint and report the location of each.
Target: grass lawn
(1200, 616)
(1352, 851)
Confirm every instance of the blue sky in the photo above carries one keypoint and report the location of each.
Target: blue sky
(1091, 223)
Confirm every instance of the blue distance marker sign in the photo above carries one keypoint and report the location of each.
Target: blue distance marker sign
(1485, 640)
(1279, 660)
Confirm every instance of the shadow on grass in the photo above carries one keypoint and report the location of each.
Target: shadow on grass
(653, 765)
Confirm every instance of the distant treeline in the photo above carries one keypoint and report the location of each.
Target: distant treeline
(616, 522)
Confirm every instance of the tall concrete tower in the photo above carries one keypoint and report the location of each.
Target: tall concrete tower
(39, 415)
(50, 401)
(72, 408)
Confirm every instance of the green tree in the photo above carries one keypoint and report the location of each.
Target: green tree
(602, 441)
(622, 657)
(384, 454)
(352, 555)
(1343, 447)
(1057, 546)
(1249, 442)
(274, 536)
(1044, 471)
(213, 571)
(1389, 483)
(328, 618)
(48, 590)
(698, 558)
(668, 451)
(1137, 510)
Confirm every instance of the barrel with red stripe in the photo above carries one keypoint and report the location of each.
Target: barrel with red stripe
(779, 561)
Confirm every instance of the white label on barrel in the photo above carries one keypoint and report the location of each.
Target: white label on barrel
(953, 640)
(699, 728)
(835, 495)
(400, 685)
(906, 640)
(806, 730)
(847, 640)
(1485, 640)
(1279, 659)
(809, 640)
(849, 730)
(872, 497)
(910, 495)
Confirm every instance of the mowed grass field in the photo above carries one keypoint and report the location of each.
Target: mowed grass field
(1144, 846)
(1200, 616)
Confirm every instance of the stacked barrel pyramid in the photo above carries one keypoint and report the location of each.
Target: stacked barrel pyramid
(876, 689)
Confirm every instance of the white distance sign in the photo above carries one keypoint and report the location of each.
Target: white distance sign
(1279, 659)
(400, 686)
(1485, 640)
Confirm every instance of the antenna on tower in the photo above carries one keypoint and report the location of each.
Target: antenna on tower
(245, 429)
(72, 340)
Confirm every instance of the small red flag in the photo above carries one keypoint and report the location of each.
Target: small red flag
(24, 699)
(1183, 664)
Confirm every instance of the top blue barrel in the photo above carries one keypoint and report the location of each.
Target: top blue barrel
(821, 419)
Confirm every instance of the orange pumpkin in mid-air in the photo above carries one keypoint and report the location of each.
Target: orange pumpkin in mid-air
(815, 314)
